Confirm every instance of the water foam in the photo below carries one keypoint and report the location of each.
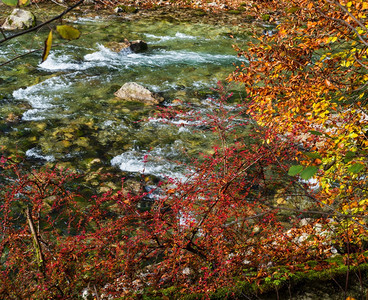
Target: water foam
(159, 39)
(86, 20)
(163, 57)
(36, 153)
(153, 162)
(125, 59)
(37, 96)
(65, 62)
(158, 58)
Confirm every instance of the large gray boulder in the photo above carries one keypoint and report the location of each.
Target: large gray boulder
(135, 92)
(19, 19)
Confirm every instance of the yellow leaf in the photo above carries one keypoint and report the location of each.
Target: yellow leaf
(65, 143)
(23, 2)
(47, 48)
(68, 32)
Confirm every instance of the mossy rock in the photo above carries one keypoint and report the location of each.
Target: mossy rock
(199, 12)
(234, 11)
(126, 9)
(266, 17)
(249, 18)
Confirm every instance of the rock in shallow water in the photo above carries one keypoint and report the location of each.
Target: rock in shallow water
(19, 19)
(134, 46)
(135, 92)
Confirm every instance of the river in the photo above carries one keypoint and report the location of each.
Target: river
(63, 111)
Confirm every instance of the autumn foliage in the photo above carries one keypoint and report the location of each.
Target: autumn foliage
(308, 84)
(284, 185)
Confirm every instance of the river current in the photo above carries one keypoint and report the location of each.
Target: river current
(63, 111)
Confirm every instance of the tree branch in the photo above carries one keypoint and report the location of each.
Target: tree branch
(308, 195)
(42, 24)
(350, 14)
(2, 32)
(36, 241)
(346, 24)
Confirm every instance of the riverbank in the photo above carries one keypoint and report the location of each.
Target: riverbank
(207, 13)
(213, 6)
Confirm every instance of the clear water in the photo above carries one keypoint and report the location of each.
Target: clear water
(66, 108)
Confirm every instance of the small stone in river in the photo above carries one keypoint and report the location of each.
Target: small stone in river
(135, 92)
(12, 118)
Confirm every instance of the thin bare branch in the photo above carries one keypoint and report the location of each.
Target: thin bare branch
(42, 24)
(2, 32)
(346, 24)
(349, 13)
(19, 56)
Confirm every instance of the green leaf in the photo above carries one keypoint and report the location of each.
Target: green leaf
(319, 133)
(308, 172)
(266, 17)
(68, 32)
(349, 156)
(356, 168)
(294, 170)
(292, 10)
(47, 48)
(10, 2)
(313, 155)
(315, 132)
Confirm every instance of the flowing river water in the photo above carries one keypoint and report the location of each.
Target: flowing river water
(63, 111)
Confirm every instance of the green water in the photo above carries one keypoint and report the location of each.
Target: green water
(63, 111)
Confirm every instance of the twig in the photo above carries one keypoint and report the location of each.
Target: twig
(42, 48)
(19, 56)
(222, 190)
(59, 3)
(307, 194)
(96, 292)
(42, 24)
(350, 14)
(346, 24)
(2, 32)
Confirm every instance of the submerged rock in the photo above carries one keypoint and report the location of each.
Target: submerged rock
(138, 46)
(19, 19)
(134, 46)
(13, 118)
(134, 91)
